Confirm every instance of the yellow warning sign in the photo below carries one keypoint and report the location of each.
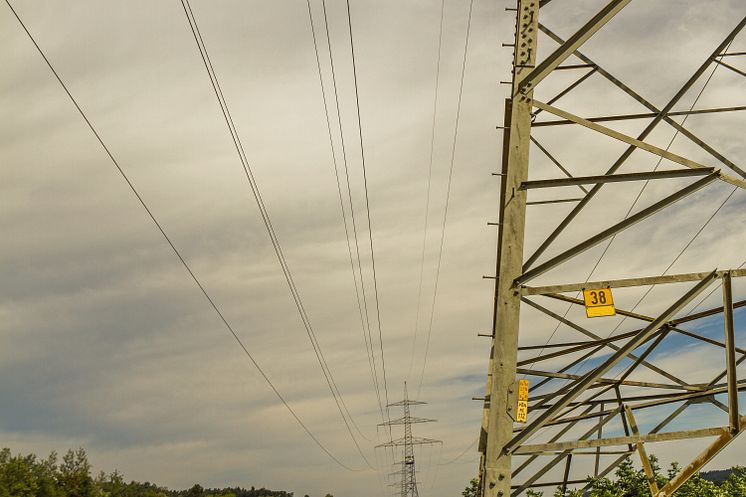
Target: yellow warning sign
(599, 302)
(521, 413)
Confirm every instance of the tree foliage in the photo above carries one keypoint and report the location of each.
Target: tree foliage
(29, 476)
(631, 482)
(472, 489)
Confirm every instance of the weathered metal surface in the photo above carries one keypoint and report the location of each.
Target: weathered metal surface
(730, 355)
(627, 282)
(497, 463)
(561, 54)
(615, 178)
(644, 460)
(583, 394)
(617, 228)
(614, 441)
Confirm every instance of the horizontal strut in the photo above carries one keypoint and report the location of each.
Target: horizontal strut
(632, 439)
(615, 178)
(627, 282)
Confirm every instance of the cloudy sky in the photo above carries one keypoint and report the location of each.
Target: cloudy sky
(107, 343)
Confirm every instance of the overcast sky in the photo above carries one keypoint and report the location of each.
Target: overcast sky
(106, 343)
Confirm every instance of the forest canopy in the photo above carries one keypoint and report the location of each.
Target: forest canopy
(30, 476)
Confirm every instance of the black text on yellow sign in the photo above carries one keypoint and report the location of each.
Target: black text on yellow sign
(521, 414)
(599, 302)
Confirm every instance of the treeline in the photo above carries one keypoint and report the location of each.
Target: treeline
(631, 482)
(30, 476)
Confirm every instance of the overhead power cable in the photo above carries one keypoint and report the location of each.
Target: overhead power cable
(448, 195)
(342, 207)
(353, 222)
(647, 182)
(686, 246)
(174, 249)
(328, 376)
(462, 453)
(429, 185)
(367, 207)
(709, 294)
(629, 211)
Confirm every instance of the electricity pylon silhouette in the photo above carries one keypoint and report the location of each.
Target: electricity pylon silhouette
(408, 484)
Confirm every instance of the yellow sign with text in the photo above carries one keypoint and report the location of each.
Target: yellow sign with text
(521, 414)
(599, 302)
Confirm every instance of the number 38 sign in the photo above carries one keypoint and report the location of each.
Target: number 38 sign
(599, 302)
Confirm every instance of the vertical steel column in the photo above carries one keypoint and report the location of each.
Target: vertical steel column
(497, 472)
(730, 354)
(566, 476)
(597, 465)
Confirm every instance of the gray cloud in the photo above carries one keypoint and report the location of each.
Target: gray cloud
(107, 344)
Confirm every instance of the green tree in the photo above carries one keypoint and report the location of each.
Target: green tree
(196, 491)
(74, 477)
(17, 477)
(112, 485)
(46, 472)
(631, 482)
(697, 486)
(568, 493)
(472, 489)
(736, 483)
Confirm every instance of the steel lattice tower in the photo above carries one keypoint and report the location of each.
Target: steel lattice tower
(408, 484)
(590, 386)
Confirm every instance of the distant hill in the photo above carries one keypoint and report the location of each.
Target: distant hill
(717, 476)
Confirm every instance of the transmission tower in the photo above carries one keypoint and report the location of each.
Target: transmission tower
(585, 394)
(407, 473)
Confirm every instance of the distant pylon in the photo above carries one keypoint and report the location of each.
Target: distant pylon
(408, 483)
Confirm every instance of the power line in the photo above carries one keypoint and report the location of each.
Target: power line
(642, 189)
(634, 203)
(429, 184)
(650, 289)
(686, 247)
(461, 454)
(336, 394)
(173, 247)
(341, 205)
(448, 195)
(367, 206)
(644, 186)
(352, 215)
(717, 287)
(629, 211)
(369, 342)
